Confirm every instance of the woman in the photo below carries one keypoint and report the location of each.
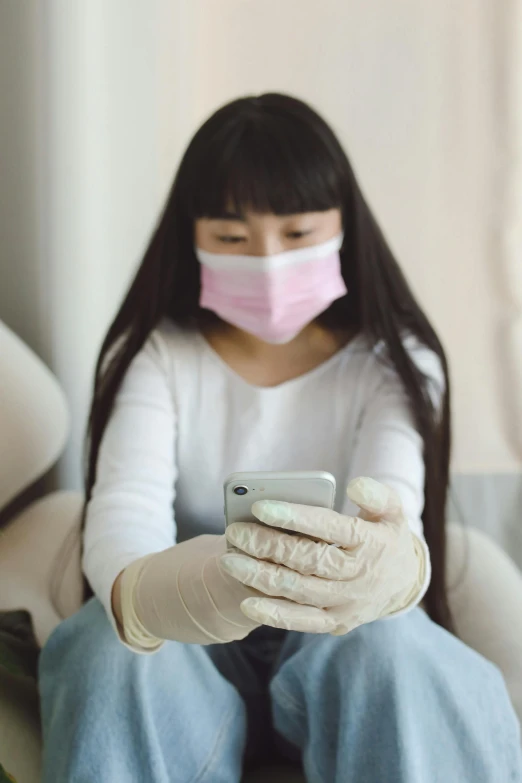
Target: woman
(269, 328)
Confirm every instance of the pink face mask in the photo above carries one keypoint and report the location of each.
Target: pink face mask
(272, 297)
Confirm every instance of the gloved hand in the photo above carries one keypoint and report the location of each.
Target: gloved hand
(184, 594)
(357, 569)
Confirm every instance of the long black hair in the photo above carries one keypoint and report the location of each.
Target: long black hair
(274, 153)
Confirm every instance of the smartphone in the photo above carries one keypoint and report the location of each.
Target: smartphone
(308, 487)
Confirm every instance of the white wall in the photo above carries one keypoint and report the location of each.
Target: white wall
(19, 161)
(94, 116)
(99, 98)
(113, 84)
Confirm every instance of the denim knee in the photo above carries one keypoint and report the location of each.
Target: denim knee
(381, 644)
(411, 640)
(85, 642)
(404, 686)
(380, 656)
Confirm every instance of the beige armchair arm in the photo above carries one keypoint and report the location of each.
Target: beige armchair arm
(34, 418)
(485, 596)
(40, 562)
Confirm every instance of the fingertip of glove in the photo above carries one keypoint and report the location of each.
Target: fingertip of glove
(270, 511)
(258, 508)
(250, 609)
(231, 532)
(370, 494)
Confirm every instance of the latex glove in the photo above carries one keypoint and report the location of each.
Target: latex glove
(356, 570)
(184, 594)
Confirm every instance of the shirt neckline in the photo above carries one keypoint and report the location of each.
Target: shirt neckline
(297, 381)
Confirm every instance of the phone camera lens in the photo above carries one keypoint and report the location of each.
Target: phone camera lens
(240, 490)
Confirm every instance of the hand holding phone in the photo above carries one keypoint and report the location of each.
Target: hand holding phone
(340, 572)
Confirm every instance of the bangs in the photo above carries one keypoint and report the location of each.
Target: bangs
(271, 166)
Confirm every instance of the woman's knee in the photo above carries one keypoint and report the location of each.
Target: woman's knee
(85, 631)
(411, 660)
(81, 647)
(410, 642)
(85, 655)
(395, 650)
(380, 644)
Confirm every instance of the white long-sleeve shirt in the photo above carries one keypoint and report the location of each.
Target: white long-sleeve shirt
(183, 420)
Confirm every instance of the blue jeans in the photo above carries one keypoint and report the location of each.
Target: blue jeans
(398, 701)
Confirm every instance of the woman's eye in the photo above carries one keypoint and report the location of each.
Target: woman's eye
(231, 240)
(298, 234)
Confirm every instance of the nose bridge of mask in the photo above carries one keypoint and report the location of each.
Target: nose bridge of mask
(270, 266)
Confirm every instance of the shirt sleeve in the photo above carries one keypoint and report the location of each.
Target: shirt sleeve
(130, 513)
(389, 448)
